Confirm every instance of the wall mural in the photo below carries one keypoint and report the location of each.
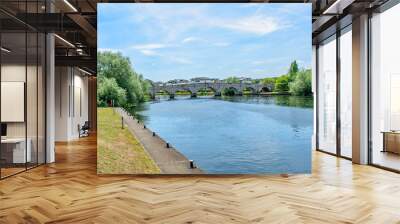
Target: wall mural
(204, 89)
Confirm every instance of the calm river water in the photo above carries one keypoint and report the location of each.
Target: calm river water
(238, 134)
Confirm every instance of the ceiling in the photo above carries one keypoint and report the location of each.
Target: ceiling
(73, 21)
(330, 15)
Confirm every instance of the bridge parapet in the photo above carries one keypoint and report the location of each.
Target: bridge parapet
(216, 87)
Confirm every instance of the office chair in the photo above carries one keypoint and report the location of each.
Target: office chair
(84, 130)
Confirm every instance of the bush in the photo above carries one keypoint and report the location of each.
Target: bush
(282, 84)
(109, 92)
(301, 86)
(228, 92)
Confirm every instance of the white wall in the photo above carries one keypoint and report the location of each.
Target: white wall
(62, 82)
(71, 87)
(80, 94)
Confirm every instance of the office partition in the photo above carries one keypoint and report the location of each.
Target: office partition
(22, 77)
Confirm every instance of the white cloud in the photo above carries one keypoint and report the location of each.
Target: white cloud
(174, 22)
(257, 24)
(108, 49)
(149, 52)
(149, 49)
(197, 39)
(190, 39)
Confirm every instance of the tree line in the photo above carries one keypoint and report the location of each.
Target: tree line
(118, 83)
(296, 82)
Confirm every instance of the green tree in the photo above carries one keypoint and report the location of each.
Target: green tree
(294, 68)
(232, 79)
(301, 86)
(270, 82)
(109, 92)
(282, 84)
(115, 66)
(228, 92)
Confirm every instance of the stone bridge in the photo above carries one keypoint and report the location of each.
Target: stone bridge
(216, 87)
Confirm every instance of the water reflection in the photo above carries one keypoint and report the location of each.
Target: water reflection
(247, 134)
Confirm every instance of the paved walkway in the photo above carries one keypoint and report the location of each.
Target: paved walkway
(169, 160)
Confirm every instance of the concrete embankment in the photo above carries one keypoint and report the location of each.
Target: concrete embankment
(169, 160)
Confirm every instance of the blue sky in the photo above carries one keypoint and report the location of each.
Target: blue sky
(170, 41)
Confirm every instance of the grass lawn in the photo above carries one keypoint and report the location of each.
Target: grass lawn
(118, 151)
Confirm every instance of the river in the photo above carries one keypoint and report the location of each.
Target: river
(237, 135)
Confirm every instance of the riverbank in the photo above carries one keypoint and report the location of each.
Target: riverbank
(169, 160)
(119, 152)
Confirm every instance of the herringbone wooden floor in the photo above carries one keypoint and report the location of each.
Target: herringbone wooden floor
(69, 191)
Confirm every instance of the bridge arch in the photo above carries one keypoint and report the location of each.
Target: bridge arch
(162, 92)
(230, 91)
(183, 91)
(206, 91)
(248, 90)
(265, 89)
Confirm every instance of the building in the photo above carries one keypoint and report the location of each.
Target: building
(177, 81)
(246, 80)
(203, 80)
(158, 83)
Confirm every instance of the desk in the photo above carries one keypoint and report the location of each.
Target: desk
(13, 150)
(391, 141)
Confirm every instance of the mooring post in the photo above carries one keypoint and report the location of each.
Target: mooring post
(122, 122)
(192, 166)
